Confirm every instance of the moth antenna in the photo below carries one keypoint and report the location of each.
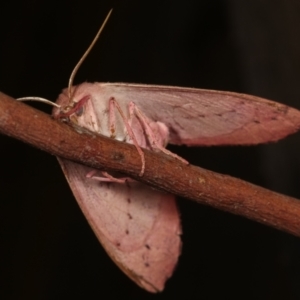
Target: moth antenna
(85, 55)
(38, 99)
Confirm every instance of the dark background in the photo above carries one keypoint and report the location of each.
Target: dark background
(48, 250)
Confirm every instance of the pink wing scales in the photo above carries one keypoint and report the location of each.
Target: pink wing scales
(205, 117)
(139, 227)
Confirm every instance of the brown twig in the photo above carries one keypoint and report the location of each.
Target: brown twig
(220, 191)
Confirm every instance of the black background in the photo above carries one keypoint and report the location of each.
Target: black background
(48, 250)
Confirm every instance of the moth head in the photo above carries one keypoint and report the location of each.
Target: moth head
(77, 110)
(70, 107)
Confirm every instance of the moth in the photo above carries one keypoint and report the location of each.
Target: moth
(139, 226)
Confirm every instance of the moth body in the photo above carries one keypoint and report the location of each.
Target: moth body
(137, 225)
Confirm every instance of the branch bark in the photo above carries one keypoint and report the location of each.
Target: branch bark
(220, 191)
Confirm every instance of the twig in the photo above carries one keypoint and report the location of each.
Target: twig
(220, 191)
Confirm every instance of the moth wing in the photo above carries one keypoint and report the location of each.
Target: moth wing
(138, 226)
(205, 117)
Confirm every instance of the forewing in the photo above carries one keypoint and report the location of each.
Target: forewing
(205, 117)
(138, 226)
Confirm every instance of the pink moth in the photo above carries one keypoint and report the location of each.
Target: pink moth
(138, 226)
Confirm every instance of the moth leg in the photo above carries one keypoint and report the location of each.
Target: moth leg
(106, 177)
(112, 125)
(150, 134)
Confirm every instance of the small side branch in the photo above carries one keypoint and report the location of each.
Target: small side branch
(164, 172)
